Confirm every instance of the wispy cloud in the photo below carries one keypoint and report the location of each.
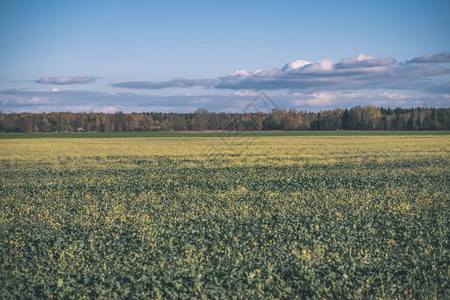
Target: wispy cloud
(177, 82)
(17, 100)
(237, 101)
(432, 58)
(66, 80)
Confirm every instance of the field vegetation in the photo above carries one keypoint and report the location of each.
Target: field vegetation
(321, 217)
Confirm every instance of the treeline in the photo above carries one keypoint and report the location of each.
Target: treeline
(356, 118)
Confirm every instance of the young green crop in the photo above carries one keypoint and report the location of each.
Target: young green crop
(251, 217)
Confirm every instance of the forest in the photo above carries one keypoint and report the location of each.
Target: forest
(356, 118)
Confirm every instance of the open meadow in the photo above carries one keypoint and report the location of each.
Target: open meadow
(328, 216)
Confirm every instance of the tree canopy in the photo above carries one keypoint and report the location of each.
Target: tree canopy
(356, 118)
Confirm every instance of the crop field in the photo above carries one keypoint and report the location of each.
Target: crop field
(321, 217)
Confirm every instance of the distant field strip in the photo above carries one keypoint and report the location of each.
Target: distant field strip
(176, 215)
(129, 134)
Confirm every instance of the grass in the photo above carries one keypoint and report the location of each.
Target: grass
(343, 215)
(133, 134)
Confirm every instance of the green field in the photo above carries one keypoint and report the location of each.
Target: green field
(278, 215)
(130, 134)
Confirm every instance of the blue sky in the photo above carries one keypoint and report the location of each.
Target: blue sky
(181, 55)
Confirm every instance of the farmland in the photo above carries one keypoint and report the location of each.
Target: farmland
(269, 216)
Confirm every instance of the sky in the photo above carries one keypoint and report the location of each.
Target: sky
(178, 56)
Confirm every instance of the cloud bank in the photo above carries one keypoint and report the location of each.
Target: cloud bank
(301, 84)
(66, 80)
(432, 58)
(360, 72)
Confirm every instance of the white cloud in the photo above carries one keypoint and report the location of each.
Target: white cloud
(363, 61)
(334, 99)
(200, 100)
(324, 65)
(242, 72)
(245, 93)
(27, 100)
(295, 64)
(322, 98)
(105, 109)
(245, 73)
(394, 95)
(362, 57)
(328, 98)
